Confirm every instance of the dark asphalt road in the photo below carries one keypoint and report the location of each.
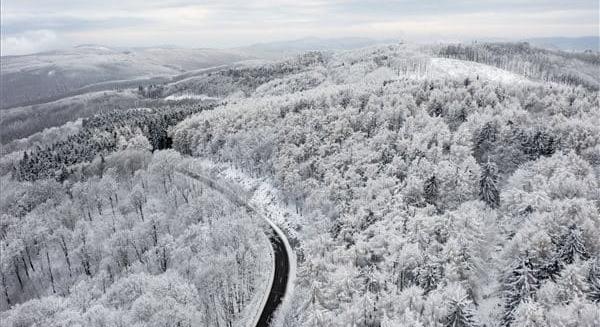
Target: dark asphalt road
(280, 278)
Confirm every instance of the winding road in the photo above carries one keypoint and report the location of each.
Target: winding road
(280, 279)
(280, 245)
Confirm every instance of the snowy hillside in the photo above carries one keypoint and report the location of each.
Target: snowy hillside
(412, 186)
(460, 69)
(452, 193)
(49, 76)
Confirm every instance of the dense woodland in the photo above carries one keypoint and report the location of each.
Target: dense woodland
(128, 241)
(242, 80)
(99, 135)
(419, 201)
(447, 202)
(25, 121)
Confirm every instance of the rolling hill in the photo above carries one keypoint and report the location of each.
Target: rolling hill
(44, 77)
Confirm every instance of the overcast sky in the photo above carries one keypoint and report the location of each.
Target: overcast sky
(38, 25)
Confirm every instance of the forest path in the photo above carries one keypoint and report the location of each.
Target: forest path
(279, 244)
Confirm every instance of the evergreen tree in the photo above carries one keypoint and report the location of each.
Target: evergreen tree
(519, 286)
(550, 269)
(594, 281)
(536, 143)
(460, 313)
(571, 246)
(488, 191)
(431, 190)
(435, 108)
(430, 274)
(484, 141)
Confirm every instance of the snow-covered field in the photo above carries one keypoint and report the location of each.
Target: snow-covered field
(178, 97)
(461, 69)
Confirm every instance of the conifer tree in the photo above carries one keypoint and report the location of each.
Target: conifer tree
(460, 313)
(519, 286)
(488, 190)
(571, 246)
(594, 281)
(484, 141)
(431, 190)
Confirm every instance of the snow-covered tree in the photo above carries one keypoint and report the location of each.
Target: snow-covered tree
(488, 189)
(431, 190)
(520, 285)
(460, 310)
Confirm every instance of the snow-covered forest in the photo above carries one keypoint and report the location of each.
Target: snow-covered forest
(456, 201)
(442, 185)
(131, 240)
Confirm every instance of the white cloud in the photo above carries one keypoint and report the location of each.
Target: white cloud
(224, 23)
(29, 42)
(492, 24)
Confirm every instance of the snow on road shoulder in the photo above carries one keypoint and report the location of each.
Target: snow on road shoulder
(260, 193)
(265, 198)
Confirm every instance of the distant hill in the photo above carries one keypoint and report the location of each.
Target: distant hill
(277, 49)
(567, 43)
(48, 76)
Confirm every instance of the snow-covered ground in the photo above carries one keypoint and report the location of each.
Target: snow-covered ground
(458, 69)
(178, 97)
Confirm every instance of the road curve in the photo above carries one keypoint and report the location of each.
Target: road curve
(282, 264)
(280, 279)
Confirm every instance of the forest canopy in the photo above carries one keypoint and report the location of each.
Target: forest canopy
(447, 185)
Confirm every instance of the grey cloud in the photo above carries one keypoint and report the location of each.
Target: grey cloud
(237, 22)
(66, 23)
